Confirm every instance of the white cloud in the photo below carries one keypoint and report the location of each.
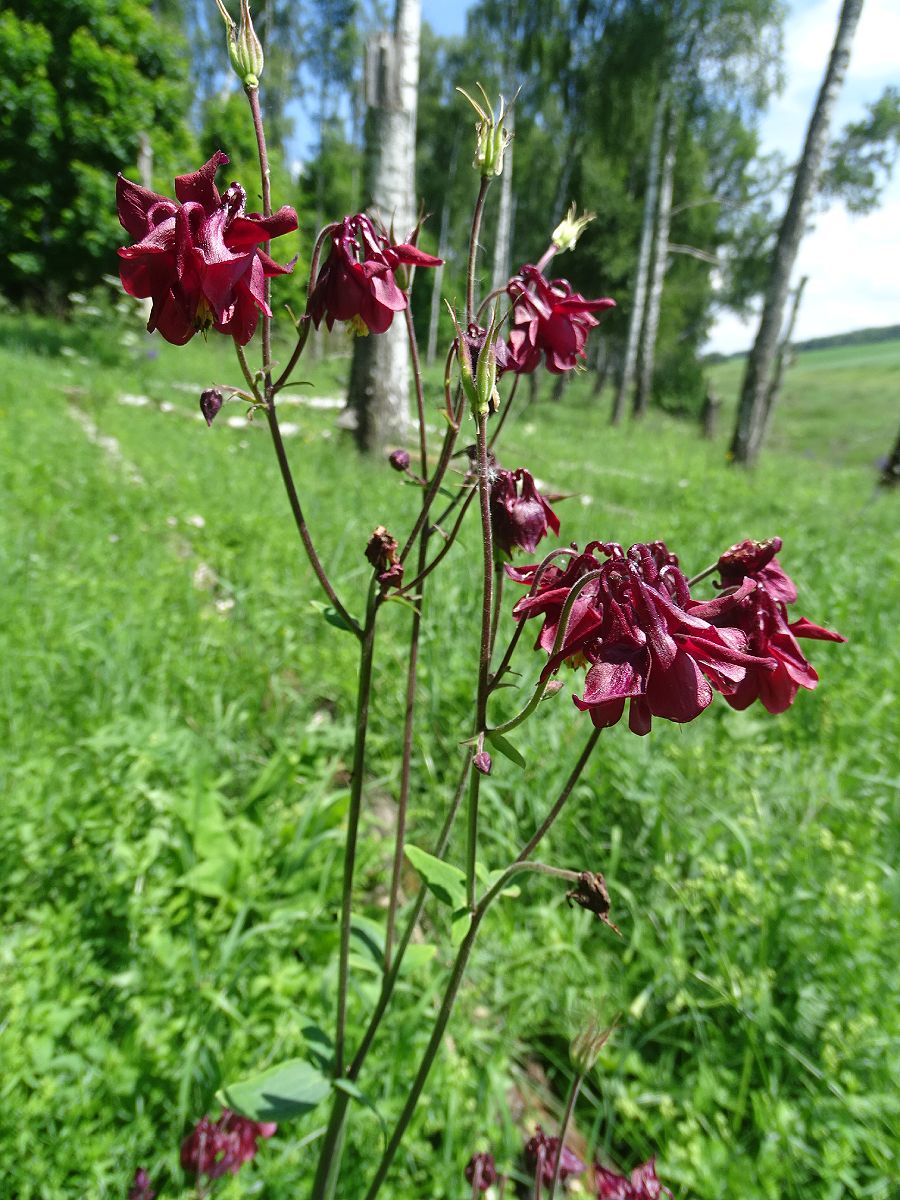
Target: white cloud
(852, 262)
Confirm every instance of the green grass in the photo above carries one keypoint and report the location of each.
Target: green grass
(175, 783)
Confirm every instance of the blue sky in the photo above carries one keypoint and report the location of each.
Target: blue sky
(853, 263)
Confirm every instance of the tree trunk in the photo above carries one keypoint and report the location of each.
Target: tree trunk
(639, 294)
(657, 272)
(750, 424)
(503, 238)
(890, 468)
(434, 318)
(379, 376)
(782, 360)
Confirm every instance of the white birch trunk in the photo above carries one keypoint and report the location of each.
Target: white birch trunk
(783, 358)
(750, 424)
(379, 377)
(657, 273)
(638, 299)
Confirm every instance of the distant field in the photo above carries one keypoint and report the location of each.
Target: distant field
(839, 404)
(178, 720)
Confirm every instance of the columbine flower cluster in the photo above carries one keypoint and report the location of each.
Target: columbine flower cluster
(631, 619)
(217, 1148)
(762, 617)
(199, 259)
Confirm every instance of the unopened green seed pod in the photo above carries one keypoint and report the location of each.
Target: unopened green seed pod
(244, 47)
(491, 135)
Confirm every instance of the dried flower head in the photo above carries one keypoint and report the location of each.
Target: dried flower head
(382, 554)
(590, 892)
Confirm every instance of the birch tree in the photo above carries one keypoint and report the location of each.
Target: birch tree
(751, 416)
(657, 272)
(379, 377)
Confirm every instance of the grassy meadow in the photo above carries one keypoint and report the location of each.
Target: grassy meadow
(174, 772)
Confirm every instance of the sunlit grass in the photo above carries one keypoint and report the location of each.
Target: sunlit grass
(174, 780)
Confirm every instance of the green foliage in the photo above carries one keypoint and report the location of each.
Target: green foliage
(178, 729)
(862, 160)
(79, 84)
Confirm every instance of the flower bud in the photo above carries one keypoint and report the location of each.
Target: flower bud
(244, 47)
(491, 136)
(399, 460)
(210, 402)
(482, 763)
(569, 230)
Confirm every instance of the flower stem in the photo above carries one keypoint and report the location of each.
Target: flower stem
(473, 248)
(332, 1143)
(420, 399)
(538, 835)
(302, 527)
(252, 94)
(541, 686)
(406, 758)
(484, 655)
(363, 693)
(563, 1130)
(459, 967)
(444, 550)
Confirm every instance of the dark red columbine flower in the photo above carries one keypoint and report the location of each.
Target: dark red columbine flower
(141, 1188)
(757, 561)
(199, 259)
(548, 318)
(481, 1172)
(356, 282)
(213, 1148)
(519, 519)
(642, 1185)
(763, 617)
(646, 641)
(540, 1157)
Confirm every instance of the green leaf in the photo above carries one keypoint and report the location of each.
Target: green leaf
(333, 617)
(319, 1046)
(290, 1089)
(506, 748)
(369, 937)
(447, 882)
(417, 956)
(459, 925)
